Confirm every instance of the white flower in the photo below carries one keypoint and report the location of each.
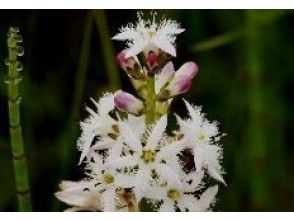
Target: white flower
(99, 191)
(147, 35)
(108, 181)
(82, 195)
(100, 131)
(154, 162)
(200, 136)
(98, 124)
(193, 180)
(173, 199)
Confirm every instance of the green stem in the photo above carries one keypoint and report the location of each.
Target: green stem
(19, 158)
(257, 131)
(107, 49)
(150, 101)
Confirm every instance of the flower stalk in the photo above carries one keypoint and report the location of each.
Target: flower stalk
(14, 100)
(150, 100)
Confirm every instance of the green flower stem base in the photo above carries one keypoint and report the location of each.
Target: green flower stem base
(150, 101)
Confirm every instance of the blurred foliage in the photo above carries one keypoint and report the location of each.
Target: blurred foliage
(245, 82)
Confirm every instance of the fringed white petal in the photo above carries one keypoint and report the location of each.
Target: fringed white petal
(193, 180)
(104, 104)
(215, 175)
(103, 144)
(119, 163)
(165, 45)
(157, 193)
(86, 147)
(127, 33)
(135, 48)
(207, 198)
(79, 199)
(194, 112)
(167, 206)
(137, 124)
(167, 173)
(109, 200)
(129, 137)
(157, 132)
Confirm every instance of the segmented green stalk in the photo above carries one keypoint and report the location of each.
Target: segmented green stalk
(19, 158)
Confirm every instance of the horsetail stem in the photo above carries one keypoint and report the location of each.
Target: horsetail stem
(14, 99)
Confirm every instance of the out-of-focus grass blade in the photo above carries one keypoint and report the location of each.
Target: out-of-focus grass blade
(270, 16)
(66, 141)
(217, 41)
(107, 49)
(257, 131)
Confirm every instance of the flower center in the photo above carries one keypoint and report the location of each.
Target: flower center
(114, 132)
(201, 137)
(148, 156)
(108, 179)
(151, 34)
(173, 194)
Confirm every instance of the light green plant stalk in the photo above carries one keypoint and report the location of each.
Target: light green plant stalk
(150, 100)
(19, 158)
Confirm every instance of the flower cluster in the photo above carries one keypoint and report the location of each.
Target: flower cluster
(130, 159)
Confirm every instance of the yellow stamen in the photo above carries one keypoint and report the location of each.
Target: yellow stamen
(108, 179)
(148, 156)
(201, 137)
(173, 194)
(152, 34)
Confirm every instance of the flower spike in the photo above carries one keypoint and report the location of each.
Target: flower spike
(130, 152)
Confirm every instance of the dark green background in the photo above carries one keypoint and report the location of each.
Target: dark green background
(245, 82)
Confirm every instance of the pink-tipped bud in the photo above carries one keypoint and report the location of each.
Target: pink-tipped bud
(127, 103)
(152, 60)
(126, 63)
(182, 80)
(164, 76)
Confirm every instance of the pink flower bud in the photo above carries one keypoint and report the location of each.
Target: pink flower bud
(127, 103)
(183, 78)
(164, 76)
(125, 62)
(152, 60)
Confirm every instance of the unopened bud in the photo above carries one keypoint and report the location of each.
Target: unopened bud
(164, 76)
(182, 80)
(126, 63)
(127, 103)
(152, 60)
